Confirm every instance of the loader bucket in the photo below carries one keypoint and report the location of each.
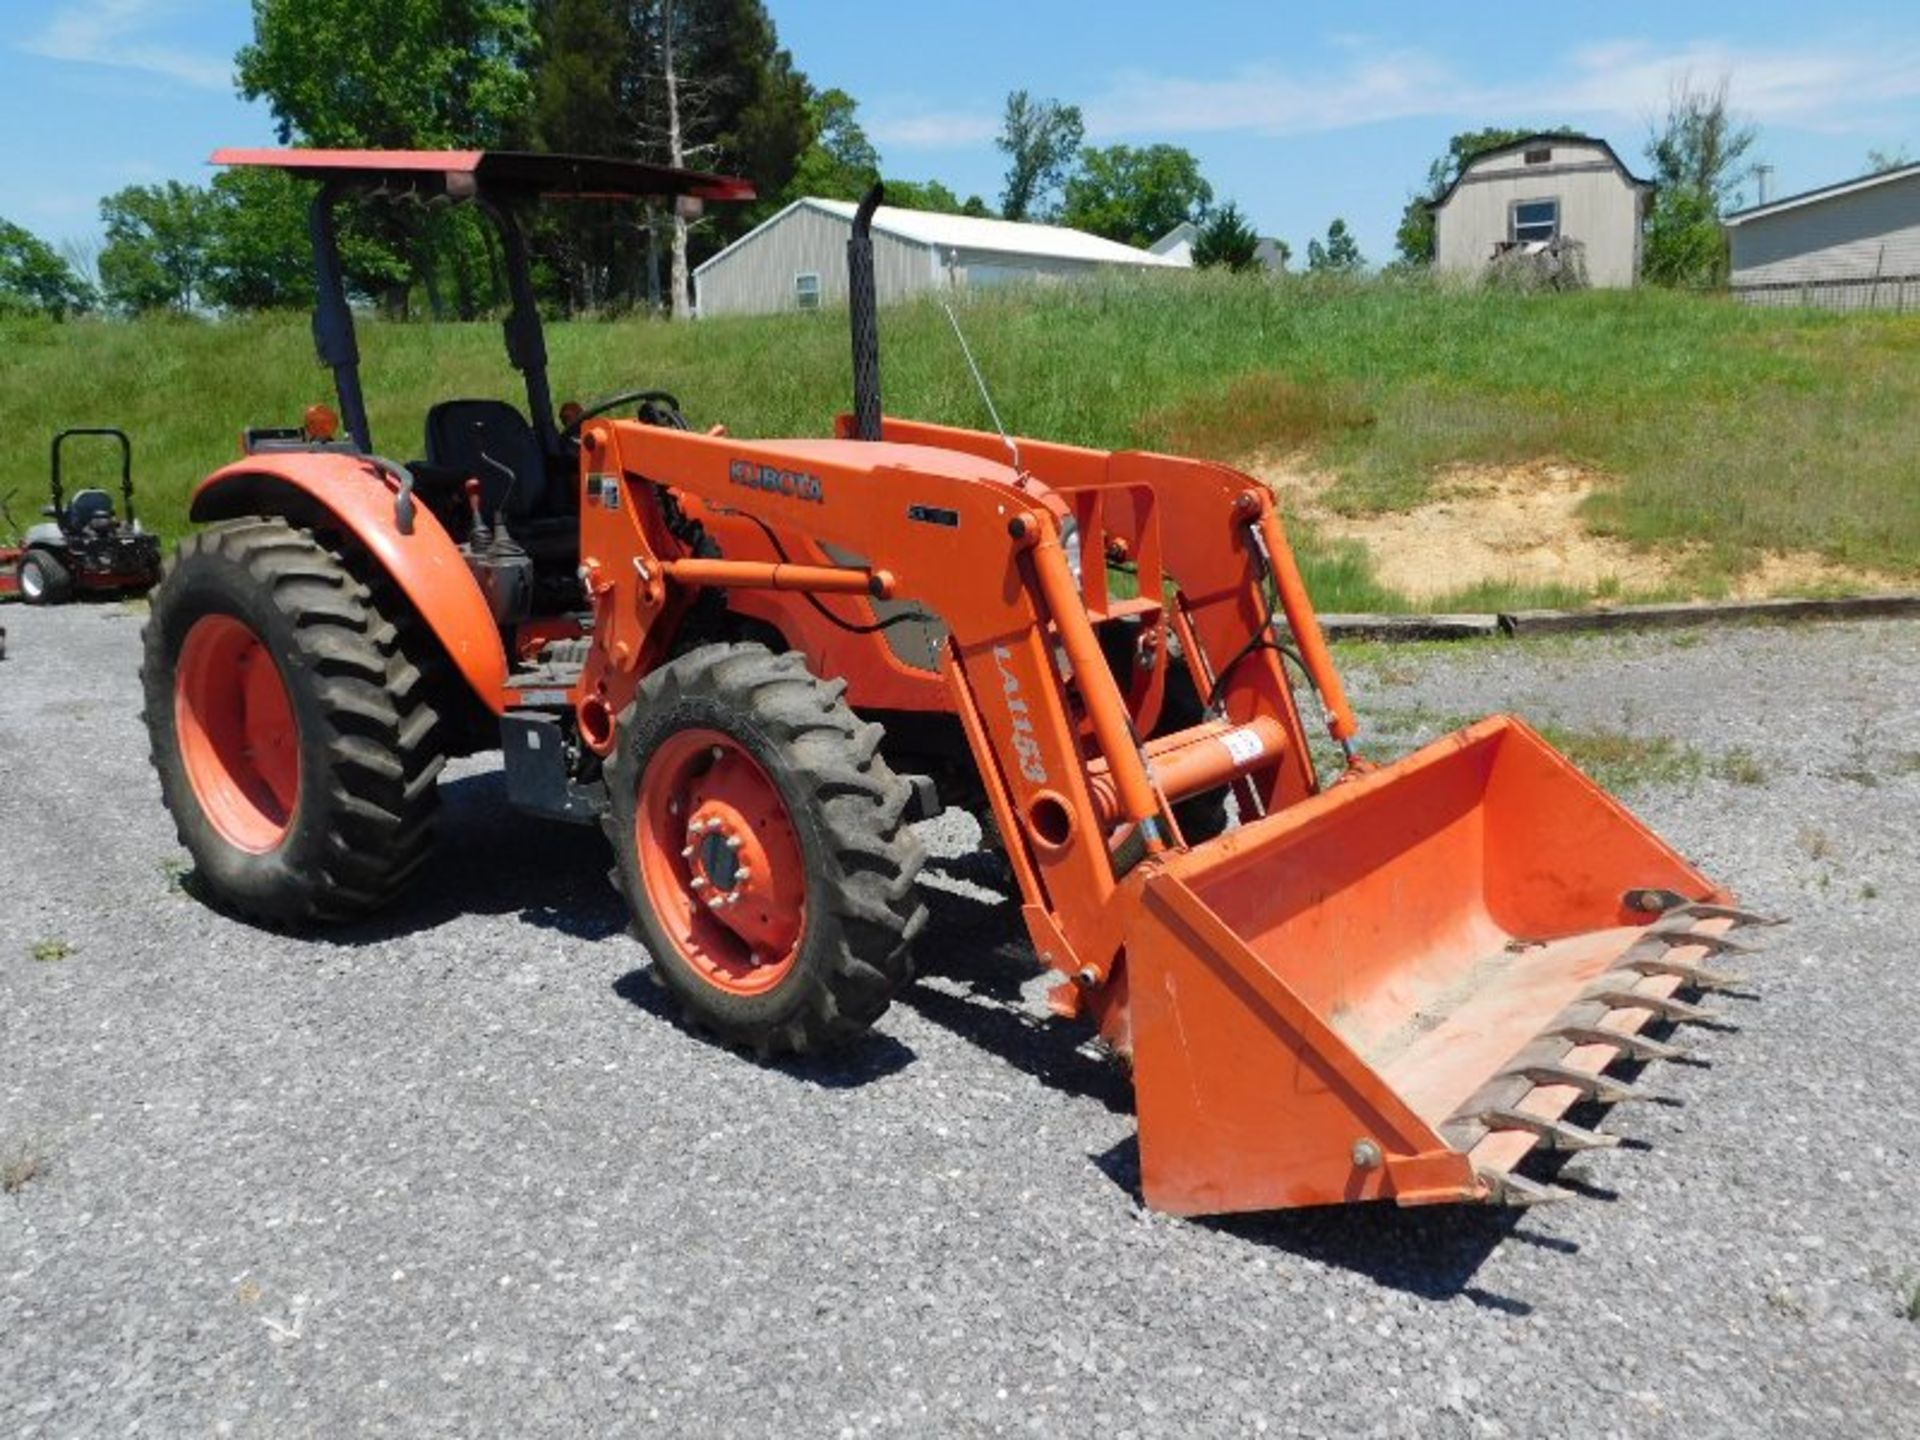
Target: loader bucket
(1397, 987)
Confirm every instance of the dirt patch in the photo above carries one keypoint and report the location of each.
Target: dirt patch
(1521, 525)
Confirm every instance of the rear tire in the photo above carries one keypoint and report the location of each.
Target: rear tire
(308, 801)
(43, 579)
(739, 732)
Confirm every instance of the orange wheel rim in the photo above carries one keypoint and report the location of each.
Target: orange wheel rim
(721, 861)
(238, 736)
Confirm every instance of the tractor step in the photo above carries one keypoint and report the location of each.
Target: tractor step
(539, 779)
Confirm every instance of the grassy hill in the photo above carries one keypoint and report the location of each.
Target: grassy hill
(1725, 430)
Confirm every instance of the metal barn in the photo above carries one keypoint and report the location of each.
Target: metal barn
(1850, 246)
(797, 260)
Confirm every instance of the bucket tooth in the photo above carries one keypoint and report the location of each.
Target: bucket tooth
(1665, 1006)
(1698, 976)
(1517, 1191)
(1678, 936)
(1672, 904)
(1638, 1047)
(1739, 917)
(1552, 1134)
(1603, 1088)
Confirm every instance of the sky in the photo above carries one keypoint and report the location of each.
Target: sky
(1298, 114)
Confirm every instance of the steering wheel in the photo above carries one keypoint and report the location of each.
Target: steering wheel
(657, 407)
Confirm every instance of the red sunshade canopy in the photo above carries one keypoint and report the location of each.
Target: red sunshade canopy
(463, 173)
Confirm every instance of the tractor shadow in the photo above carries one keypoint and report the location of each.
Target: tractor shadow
(1432, 1252)
(491, 860)
(975, 961)
(875, 1056)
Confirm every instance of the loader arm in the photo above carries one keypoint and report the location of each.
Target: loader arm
(978, 546)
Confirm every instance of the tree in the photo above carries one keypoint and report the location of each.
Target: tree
(157, 246)
(394, 74)
(841, 163)
(1226, 240)
(1414, 238)
(1881, 161)
(257, 252)
(714, 89)
(1041, 139)
(1339, 256)
(1697, 152)
(925, 195)
(586, 251)
(391, 74)
(34, 278)
(1135, 195)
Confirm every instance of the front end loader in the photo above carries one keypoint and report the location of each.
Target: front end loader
(754, 663)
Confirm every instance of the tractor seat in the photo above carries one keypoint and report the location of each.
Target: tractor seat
(459, 430)
(89, 510)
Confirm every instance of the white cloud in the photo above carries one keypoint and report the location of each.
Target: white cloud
(1616, 81)
(1268, 99)
(110, 32)
(932, 130)
(1820, 87)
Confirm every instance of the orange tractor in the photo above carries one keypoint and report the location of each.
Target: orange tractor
(756, 663)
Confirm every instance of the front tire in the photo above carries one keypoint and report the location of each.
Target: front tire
(43, 579)
(290, 729)
(762, 846)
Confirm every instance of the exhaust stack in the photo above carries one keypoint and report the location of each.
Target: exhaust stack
(862, 314)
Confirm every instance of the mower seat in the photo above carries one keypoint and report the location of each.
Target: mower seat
(459, 430)
(89, 510)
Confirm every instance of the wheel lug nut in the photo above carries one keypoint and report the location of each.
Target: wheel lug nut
(686, 852)
(734, 842)
(699, 882)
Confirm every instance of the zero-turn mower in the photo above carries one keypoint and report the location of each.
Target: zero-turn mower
(755, 663)
(81, 544)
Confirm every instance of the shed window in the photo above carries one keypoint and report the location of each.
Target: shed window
(1536, 220)
(806, 290)
(1538, 156)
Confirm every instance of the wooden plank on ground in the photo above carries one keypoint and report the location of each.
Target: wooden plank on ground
(1410, 627)
(1707, 612)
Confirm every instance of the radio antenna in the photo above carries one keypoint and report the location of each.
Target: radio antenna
(1013, 447)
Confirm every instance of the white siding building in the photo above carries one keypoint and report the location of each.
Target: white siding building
(798, 259)
(1177, 243)
(1538, 190)
(1855, 245)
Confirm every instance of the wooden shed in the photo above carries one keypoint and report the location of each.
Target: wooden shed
(797, 260)
(1538, 191)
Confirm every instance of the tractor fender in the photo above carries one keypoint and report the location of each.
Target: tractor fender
(47, 536)
(349, 492)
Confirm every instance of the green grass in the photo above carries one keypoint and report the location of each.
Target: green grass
(1745, 429)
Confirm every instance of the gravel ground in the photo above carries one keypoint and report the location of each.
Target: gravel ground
(456, 1173)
